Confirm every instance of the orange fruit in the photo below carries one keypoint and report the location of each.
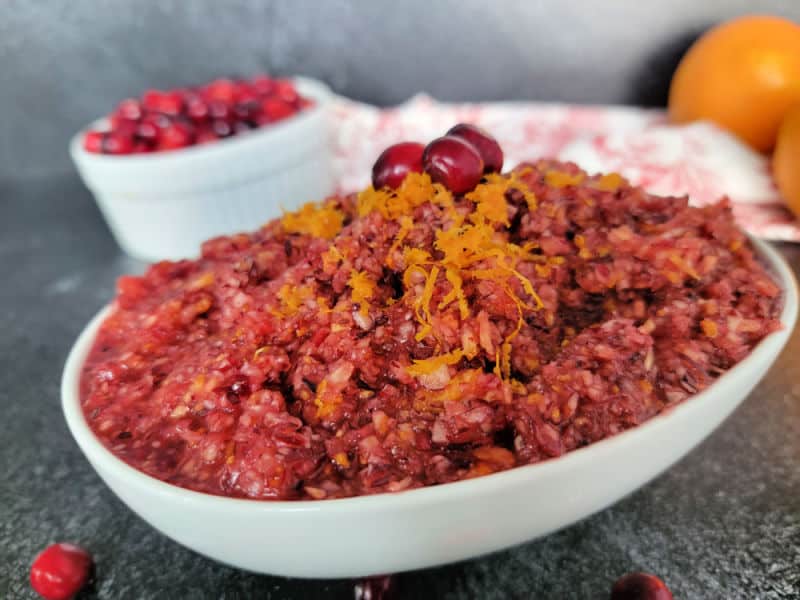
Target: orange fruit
(743, 75)
(786, 160)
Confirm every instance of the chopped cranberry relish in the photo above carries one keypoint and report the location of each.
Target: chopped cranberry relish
(407, 337)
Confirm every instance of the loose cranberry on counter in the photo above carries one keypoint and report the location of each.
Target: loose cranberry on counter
(60, 571)
(395, 163)
(640, 586)
(485, 144)
(374, 588)
(453, 162)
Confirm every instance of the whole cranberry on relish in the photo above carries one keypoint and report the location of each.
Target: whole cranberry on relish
(453, 162)
(485, 144)
(395, 163)
(183, 117)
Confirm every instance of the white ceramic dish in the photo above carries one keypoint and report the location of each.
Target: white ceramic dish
(430, 526)
(163, 205)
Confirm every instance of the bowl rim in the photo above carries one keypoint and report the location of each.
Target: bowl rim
(318, 91)
(96, 452)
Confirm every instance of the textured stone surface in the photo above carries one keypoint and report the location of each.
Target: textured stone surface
(723, 523)
(66, 62)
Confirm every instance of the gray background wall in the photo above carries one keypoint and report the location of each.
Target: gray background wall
(63, 63)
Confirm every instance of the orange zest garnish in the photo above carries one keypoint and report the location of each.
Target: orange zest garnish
(363, 289)
(429, 365)
(319, 220)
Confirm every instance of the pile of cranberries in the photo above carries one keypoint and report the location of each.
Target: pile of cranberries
(183, 117)
(458, 160)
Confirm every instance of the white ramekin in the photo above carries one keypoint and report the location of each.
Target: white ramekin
(425, 527)
(163, 205)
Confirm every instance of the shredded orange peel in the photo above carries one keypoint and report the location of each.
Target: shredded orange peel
(320, 220)
(469, 247)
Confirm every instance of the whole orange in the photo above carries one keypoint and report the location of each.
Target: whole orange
(744, 75)
(786, 160)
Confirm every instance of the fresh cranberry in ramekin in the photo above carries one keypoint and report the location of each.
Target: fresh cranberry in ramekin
(183, 166)
(170, 120)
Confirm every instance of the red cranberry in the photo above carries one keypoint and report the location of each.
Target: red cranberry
(205, 134)
(221, 128)
(395, 163)
(263, 85)
(147, 131)
(241, 126)
(93, 141)
(221, 108)
(197, 109)
(275, 109)
(141, 147)
(172, 104)
(245, 94)
(118, 143)
(485, 144)
(169, 103)
(374, 588)
(60, 571)
(155, 121)
(453, 162)
(217, 109)
(246, 111)
(177, 135)
(285, 90)
(130, 109)
(640, 586)
(123, 126)
(223, 90)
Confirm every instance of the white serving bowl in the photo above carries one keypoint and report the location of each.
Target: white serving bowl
(163, 205)
(430, 526)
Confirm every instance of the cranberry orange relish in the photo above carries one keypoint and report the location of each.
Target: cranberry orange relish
(410, 335)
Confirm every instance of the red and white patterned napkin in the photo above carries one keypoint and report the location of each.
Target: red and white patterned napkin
(699, 160)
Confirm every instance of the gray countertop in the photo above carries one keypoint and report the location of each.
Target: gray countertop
(723, 523)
